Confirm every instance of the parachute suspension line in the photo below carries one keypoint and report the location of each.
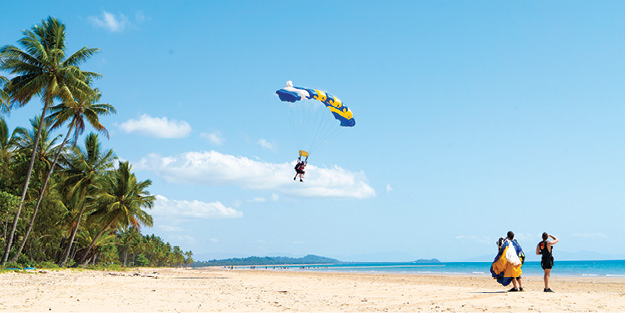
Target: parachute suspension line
(292, 117)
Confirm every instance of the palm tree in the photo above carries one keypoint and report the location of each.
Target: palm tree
(120, 200)
(128, 240)
(46, 148)
(7, 142)
(25, 141)
(77, 113)
(4, 97)
(188, 258)
(86, 168)
(42, 69)
(89, 237)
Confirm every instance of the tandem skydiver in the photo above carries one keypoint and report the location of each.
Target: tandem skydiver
(299, 168)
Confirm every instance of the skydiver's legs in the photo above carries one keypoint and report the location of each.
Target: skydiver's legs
(546, 278)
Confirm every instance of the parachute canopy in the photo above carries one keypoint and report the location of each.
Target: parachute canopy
(340, 112)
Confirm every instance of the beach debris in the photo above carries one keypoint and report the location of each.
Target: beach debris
(134, 275)
(282, 291)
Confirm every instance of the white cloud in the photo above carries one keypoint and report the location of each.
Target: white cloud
(274, 197)
(185, 239)
(214, 168)
(483, 240)
(181, 209)
(140, 17)
(214, 137)
(591, 235)
(157, 127)
(168, 228)
(266, 144)
(117, 22)
(110, 21)
(389, 188)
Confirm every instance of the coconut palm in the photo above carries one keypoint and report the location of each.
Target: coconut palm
(77, 113)
(85, 169)
(4, 97)
(25, 141)
(47, 146)
(128, 239)
(7, 142)
(43, 69)
(91, 237)
(120, 201)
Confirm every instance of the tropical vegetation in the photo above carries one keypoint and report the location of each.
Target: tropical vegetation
(62, 201)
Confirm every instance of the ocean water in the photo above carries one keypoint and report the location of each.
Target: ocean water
(607, 268)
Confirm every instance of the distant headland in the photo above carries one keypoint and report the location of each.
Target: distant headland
(281, 260)
(254, 260)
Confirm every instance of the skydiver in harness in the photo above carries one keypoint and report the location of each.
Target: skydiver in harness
(299, 168)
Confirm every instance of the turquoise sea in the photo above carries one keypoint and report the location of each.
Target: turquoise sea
(609, 268)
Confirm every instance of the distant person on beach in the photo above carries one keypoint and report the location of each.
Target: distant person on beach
(299, 169)
(545, 248)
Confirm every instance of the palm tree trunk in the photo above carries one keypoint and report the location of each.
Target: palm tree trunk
(84, 256)
(7, 248)
(41, 193)
(71, 238)
(5, 226)
(126, 256)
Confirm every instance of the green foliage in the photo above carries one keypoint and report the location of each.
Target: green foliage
(141, 260)
(90, 209)
(47, 265)
(13, 265)
(25, 261)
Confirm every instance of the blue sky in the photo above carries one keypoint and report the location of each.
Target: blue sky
(473, 118)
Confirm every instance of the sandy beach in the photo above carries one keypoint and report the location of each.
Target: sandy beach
(216, 289)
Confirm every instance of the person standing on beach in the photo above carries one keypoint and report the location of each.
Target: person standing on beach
(506, 268)
(545, 248)
(515, 270)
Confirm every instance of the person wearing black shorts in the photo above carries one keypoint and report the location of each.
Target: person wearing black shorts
(545, 248)
(299, 169)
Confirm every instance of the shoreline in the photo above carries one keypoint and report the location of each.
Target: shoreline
(201, 290)
(480, 269)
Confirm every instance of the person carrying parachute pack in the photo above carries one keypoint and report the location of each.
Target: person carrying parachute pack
(506, 267)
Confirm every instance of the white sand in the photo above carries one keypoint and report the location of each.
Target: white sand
(187, 290)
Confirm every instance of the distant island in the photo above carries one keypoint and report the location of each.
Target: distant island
(426, 261)
(309, 259)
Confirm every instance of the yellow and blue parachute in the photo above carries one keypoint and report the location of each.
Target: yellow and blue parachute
(307, 110)
(503, 269)
(340, 111)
